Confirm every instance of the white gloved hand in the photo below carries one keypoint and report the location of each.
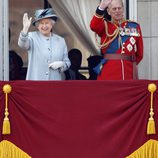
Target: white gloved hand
(26, 23)
(56, 65)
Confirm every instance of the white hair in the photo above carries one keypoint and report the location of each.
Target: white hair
(121, 1)
(37, 23)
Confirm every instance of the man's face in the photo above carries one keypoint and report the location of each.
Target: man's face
(116, 10)
(45, 26)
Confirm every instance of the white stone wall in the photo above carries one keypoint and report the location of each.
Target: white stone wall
(148, 19)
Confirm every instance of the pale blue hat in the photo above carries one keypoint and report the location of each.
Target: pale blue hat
(44, 13)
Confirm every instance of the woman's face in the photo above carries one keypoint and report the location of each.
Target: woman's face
(45, 26)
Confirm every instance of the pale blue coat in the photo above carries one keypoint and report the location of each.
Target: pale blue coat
(42, 51)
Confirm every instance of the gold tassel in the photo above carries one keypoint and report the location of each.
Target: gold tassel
(151, 123)
(9, 150)
(151, 127)
(6, 126)
(6, 123)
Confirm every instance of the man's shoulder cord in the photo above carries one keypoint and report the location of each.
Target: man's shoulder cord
(112, 36)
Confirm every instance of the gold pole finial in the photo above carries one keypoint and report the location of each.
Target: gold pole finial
(152, 87)
(151, 123)
(6, 123)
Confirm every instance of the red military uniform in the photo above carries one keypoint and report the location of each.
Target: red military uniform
(121, 46)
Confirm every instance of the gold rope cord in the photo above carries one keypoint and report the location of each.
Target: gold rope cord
(151, 123)
(113, 35)
(6, 123)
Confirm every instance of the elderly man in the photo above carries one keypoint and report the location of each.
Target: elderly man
(121, 42)
(47, 51)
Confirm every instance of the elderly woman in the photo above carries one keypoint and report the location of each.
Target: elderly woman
(47, 51)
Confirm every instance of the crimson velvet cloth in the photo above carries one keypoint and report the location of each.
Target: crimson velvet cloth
(79, 119)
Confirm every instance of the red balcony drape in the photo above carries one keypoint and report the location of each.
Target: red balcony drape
(79, 119)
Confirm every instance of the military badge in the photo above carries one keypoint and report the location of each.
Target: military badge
(122, 33)
(134, 32)
(132, 40)
(129, 47)
(127, 31)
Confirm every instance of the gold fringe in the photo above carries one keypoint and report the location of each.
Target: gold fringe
(9, 150)
(151, 123)
(6, 123)
(148, 150)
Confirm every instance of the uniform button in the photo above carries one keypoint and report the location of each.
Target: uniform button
(48, 61)
(46, 73)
